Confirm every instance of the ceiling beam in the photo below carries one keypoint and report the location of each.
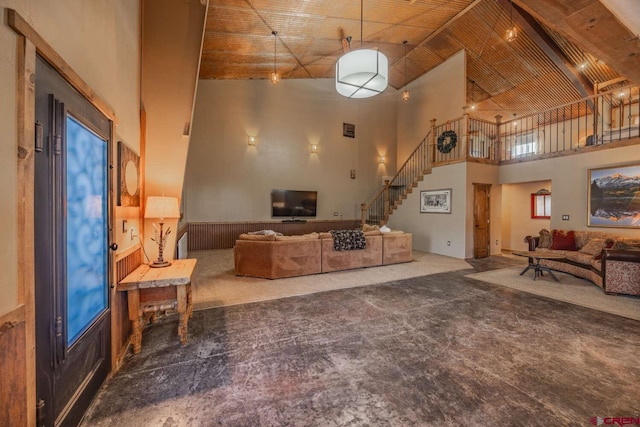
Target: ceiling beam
(536, 33)
(590, 25)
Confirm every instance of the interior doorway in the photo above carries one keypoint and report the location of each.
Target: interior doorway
(481, 220)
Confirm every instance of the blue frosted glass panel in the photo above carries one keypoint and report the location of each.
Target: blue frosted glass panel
(86, 228)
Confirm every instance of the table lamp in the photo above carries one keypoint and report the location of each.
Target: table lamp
(161, 207)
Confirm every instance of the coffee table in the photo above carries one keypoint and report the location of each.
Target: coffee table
(537, 268)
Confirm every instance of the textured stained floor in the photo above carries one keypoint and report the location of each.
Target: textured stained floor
(436, 350)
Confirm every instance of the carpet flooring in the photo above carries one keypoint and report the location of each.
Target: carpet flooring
(569, 289)
(441, 350)
(215, 283)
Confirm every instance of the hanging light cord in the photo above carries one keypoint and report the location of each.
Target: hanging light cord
(361, 20)
(275, 39)
(405, 63)
(511, 13)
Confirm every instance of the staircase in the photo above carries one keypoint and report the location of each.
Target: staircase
(378, 210)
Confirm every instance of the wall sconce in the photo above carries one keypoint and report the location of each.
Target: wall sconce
(314, 148)
(382, 160)
(251, 141)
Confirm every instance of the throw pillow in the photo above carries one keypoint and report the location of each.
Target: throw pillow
(593, 247)
(367, 227)
(608, 244)
(564, 240)
(545, 239)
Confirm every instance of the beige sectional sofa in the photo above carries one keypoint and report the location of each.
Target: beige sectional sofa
(608, 260)
(273, 257)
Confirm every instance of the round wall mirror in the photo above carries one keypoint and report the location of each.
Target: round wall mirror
(131, 178)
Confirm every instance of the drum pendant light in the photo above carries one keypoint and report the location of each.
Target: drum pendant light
(362, 73)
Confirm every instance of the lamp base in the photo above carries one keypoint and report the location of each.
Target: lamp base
(156, 264)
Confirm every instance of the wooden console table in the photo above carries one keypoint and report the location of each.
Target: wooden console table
(151, 290)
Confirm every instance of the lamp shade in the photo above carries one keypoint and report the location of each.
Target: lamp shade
(162, 207)
(362, 73)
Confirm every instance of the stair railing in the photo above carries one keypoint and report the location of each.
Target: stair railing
(377, 211)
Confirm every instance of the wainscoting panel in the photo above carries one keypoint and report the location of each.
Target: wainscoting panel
(13, 376)
(222, 235)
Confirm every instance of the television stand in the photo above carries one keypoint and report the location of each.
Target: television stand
(294, 220)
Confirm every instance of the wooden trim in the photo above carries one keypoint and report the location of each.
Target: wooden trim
(25, 86)
(15, 315)
(22, 27)
(120, 325)
(13, 381)
(126, 252)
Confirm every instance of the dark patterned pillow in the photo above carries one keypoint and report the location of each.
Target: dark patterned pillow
(345, 240)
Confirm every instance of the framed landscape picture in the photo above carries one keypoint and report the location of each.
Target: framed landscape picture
(435, 201)
(614, 197)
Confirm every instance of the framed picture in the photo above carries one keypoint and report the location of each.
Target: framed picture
(435, 201)
(614, 197)
(349, 130)
(128, 176)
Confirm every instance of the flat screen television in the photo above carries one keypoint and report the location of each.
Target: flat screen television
(293, 203)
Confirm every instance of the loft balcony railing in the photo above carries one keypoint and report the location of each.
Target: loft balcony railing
(609, 119)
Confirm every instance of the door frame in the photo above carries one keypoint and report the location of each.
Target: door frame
(28, 43)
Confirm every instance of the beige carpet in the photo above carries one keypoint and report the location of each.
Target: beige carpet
(216, 285)
(569, 289)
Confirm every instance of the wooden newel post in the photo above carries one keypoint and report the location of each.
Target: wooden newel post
(386, 202)
(433, 141)
(466, 147)
(497, 148)
(363, 210)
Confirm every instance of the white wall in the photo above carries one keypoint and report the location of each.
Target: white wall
(99, 40)
(516, 213)
(227, 180)
(569, 178)
(439, 94)
(432, 231)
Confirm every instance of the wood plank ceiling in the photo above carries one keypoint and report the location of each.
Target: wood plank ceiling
(544, 67)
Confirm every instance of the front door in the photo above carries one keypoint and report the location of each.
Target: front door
(71, 249)
(481, 223)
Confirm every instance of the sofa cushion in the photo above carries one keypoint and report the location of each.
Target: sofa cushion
(593, 247)
(564, 240)
(265, 232)
(545, 239)
(309, 236)
(258, 237)
(579, 257)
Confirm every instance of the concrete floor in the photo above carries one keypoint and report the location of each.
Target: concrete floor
(435, 350)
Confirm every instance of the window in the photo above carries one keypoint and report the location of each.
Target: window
(524, 144)
(541, 204)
